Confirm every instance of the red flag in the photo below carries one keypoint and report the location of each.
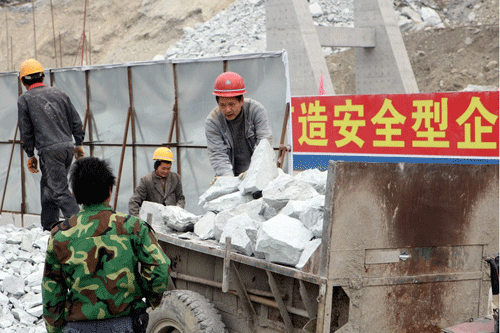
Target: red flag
(321, 90)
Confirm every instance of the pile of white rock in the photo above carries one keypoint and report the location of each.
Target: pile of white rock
(241, 27)
(256, 211)
(22, 258)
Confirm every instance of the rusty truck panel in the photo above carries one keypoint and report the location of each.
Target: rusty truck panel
(402, 252)
(409, 238)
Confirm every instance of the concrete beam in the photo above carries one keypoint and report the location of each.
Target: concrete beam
(289, 26)
(386, 67)
(346, 37)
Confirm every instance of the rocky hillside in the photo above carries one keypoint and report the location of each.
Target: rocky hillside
(451, 43)
(116, 31)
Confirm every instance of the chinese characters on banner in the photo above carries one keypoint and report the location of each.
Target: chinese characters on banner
(459, 125)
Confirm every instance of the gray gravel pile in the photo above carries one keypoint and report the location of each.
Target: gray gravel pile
(22, 258)
(240, 28)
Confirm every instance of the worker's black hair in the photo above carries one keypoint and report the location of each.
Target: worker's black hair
(91, 180)
(159, 162)
(239, 97)
(33, 78)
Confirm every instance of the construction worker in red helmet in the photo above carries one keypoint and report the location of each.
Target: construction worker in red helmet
(161, 186)
(49, 122)
(235, 127)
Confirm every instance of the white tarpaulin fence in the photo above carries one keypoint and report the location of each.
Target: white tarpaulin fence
(168, 100)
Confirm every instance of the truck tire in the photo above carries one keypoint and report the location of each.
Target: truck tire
(184, 311)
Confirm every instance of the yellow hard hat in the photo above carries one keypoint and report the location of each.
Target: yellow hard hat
(163, 154)
(30, 66)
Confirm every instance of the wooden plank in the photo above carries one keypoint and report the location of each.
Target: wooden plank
(281, 304)
(226, 267)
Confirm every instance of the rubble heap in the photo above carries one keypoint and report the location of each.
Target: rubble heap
(254, 212)
(22, 258)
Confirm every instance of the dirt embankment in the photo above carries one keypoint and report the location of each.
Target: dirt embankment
(446, 59)
(116, 31)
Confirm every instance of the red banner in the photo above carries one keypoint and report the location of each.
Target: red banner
(438, 124)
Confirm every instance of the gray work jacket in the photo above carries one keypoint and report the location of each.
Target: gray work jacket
(151, 189)
(220, 144)
(48, 119)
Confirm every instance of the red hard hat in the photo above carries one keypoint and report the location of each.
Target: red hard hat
(229, 84)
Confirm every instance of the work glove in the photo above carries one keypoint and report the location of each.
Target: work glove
(242, 175)
(78, 152)
(33, 164)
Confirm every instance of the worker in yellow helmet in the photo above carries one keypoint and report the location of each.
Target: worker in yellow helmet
(49, 122)
(161, 186)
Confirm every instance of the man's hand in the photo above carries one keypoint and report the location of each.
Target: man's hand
(78, 152)
(33, 164)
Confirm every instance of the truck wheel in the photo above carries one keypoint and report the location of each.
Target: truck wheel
(184, 311)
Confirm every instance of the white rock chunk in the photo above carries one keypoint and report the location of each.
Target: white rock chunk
(311, 246)
(315, 9)
(155, 209)
(254, 209)
(220, 223)
(31, 300)
(227, 202)
(172, 217)
(277, 194)
(313, 211)
(262, 169)
(238, 229)
(430, 16)
(205, 226)
(411, 14)
(315, 178)
(27, 242)
(15, 238)
(41, 243)
(7, 320)
(24, 317)
(279, 246)
(179, 219)
(36, 311)
(13, 285)
(222, 186)
(293, 208)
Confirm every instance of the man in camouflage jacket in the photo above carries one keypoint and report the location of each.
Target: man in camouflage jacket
(92, 277)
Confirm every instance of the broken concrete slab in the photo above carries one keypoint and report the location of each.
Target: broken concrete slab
(282, 247)
(262, 169)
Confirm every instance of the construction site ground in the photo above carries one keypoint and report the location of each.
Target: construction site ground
(446, 59)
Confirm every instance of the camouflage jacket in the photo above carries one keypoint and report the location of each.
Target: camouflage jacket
(92, 267)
